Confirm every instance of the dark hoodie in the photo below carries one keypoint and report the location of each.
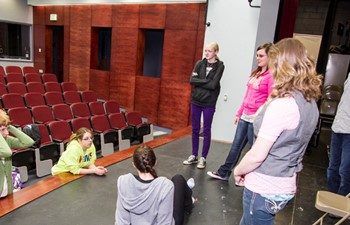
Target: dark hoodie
(206, 88)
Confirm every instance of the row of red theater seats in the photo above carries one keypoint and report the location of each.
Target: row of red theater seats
(17, 69)
(28, 77)
(22, 88)
(11, 100)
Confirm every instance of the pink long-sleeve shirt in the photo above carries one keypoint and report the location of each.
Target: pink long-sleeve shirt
(258, 90)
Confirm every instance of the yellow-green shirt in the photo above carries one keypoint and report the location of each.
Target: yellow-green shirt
(74, 159)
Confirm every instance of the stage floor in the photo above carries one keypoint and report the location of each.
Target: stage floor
(91, 200)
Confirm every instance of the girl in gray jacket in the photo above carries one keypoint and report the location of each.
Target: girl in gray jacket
(148, 199)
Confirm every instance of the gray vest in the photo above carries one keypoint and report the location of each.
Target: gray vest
(286, 154)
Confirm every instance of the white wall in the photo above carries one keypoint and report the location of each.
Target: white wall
(19, 12)
(236, 27)
(16, 11)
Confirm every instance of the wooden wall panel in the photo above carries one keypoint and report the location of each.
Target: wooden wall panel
(79, 66)
(80, 46)
(199, 46)
(174, 104)
(201, 17)
(66, 53)
(178, 54)
(122, 89)
(66, 11)
(99, 80)
(80, 76)
(182, 17)
(39, 15)
(40, 66)
(165, 101)
(80, 16)
(101, 16)
(152, 16)
(147, 97)
(124, 50)
(39, 43)
(126, 15)
(48, 50)
(59, 11)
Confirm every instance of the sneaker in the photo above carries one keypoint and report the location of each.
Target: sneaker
(334, 216)
(191, 159)
(190, 183)
(194, 200)
(216, 176)
(201, 163)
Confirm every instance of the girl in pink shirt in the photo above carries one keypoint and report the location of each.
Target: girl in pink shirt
(259, 87)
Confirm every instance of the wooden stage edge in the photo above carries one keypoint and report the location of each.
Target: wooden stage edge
(36, 190)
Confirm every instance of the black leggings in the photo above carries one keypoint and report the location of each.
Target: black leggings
(182, 199)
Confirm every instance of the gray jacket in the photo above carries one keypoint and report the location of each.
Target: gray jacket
(144, 203)
(341, 123)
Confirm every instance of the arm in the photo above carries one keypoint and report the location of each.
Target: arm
(240, 110)
(210, 84)
(74, 157)
(252, 159)
(93, 169)
(21, 140)
(5, 150)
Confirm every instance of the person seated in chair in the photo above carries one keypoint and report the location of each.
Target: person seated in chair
(7, 142)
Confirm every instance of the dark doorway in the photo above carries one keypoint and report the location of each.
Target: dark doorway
(153, 53)
(57, 51)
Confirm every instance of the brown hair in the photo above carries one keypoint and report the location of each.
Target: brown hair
(79, 134)
(144, 160)
(266, 47)
(293, 69)
(4, 119)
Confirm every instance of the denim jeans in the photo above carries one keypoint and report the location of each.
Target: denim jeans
(258, 210)
(338, 173)
(208, 114)
(244, 134)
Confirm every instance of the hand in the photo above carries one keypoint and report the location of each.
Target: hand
(100, 170)
(239, 180)
(236, 120)
(101, 167)
(194, 74)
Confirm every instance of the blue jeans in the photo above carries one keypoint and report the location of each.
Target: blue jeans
(338, 173)
(258, 210)
(208, 114)
(244, 134)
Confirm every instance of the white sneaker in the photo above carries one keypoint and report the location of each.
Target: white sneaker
(190, 183)
(201, 163)
(191, 159)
